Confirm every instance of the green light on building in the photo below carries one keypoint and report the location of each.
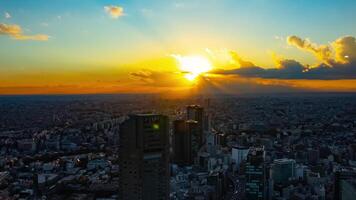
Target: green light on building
(155, 126)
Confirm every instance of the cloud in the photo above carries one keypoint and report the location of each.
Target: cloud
(345, 50)
(179, 5)
(240, 61)
(44, 24)
(144, 75)
(114, 11)
(10, 29)
(147, 12)
(290, 69)
(15, 32)
(335, 71)
(277, 37)
(337, 61)
(156, 78)
(7, 15)
(322, 52)
(38, 37)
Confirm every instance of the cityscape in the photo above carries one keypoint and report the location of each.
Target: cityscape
(147, 147)
(177, 100)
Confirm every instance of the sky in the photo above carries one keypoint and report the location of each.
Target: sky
(135, 46)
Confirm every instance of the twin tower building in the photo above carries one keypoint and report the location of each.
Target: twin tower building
(144, 152)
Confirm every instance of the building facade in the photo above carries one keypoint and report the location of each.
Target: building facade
(283, 170)
(144, 158)
(255, 172)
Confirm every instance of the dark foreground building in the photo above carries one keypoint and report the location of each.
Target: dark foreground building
(196, 113)
(185, 141)
(144, 157)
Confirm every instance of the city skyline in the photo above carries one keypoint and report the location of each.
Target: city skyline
(177, 47)
(145, 147)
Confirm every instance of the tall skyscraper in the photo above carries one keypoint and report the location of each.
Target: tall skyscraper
(144, 157)
(185, 141)
(196, 113)
(255, 172)
(181, 143)
(239, 154)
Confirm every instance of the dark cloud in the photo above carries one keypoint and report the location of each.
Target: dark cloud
(288, 69)
(144, 75)
(156, 78)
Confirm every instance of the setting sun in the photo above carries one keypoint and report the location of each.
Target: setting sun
(193, 66)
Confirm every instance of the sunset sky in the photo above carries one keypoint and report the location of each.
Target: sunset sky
(160, 46)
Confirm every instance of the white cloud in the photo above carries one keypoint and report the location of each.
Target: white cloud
(114, 11)
(7, 15)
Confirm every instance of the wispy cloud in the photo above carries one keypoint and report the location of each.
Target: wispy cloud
(147, 12)
(15, 32)
(44, 24)
(114, 11)
(7, 15)
(178, 4)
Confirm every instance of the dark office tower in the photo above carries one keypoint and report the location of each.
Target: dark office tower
(255, 172)
(185, 144)
(194, 132)
(182, 148)
(196, 113)
(218, 183)
(143, 155)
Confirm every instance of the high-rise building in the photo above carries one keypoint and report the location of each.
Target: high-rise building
(283, 170)
(180, 142)
(196, 113)
(239, 154)
(144, 157)
(185, 141)
(217, 180)
(255, 172)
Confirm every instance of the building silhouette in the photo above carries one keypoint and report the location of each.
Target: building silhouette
(196, 113)
(185, 141)
(144, 158)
